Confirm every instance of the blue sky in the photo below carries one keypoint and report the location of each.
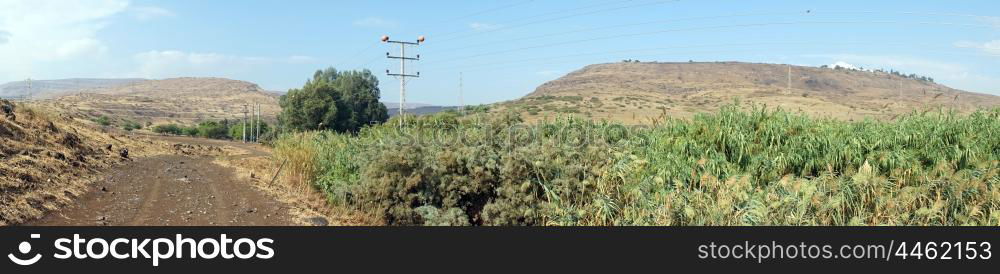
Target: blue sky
(504, 48)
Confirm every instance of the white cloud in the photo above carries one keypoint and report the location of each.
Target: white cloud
(38, 32)
(477, 26)
(146, 13)
(990, 47)
(173, 63)
(4, 37)
(80, 47)
(375, 22)
(992, 20)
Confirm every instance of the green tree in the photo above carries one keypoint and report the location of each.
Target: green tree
(343, 101)
(168, 129)
(213, 129)
(236, 131)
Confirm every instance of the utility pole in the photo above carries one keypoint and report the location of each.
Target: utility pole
(402, 70)
(253, 122)
(28, 95)
(244, 123)
(900, 88)
(259, 121)
(461, 102)
(789, 91)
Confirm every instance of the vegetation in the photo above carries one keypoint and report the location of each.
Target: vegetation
(103, 121)
(343, 101)
(759, 167)
(130, 125)
(223, 129)
(172, 129)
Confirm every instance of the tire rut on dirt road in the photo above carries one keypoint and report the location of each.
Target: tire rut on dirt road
(172, 190)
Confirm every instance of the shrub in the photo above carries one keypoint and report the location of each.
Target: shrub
(103, 121)
(168, 129)
(733, 167)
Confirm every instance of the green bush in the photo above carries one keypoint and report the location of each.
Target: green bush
(130, 125)
(756, 167)
(103, 121)
(236, 131)
(168, 129)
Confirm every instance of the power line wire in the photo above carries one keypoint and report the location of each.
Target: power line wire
(696, 29)
(538, 15)
(562, 33)
(559, 18)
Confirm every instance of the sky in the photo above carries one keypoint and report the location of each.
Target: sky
(502, 49)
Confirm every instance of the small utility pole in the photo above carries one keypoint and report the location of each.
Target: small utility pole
(244, 123)
(461, 102)
(259, 121)
(29, 90)
(253, 122)
(789, 79)
(900, 88)
(402, 70)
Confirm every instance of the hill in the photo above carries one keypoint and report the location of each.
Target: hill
(41, 89)
(637, 93)
(176, 100)
(47, 159)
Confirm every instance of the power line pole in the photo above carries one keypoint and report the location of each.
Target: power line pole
(461, 102)
(402, 70)
(900, 88)
(259, 121)
(244, 123)
(253, 123)
(28, 94)
(789, 91)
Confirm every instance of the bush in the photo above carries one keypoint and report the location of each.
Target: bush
(168, 129)
(236, 131)
(130, 125)
(213, 130)
(756, 167)
(103, 121)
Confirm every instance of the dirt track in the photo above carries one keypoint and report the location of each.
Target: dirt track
(174, 190)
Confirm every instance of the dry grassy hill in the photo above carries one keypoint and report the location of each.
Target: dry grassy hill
(639, 92)
(176, 100)
(46, 159)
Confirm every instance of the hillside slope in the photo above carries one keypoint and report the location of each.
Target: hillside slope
(176, 100)
(46, 159)
(639, 92)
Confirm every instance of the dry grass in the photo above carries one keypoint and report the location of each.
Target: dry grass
(290, 187)
(47, 159)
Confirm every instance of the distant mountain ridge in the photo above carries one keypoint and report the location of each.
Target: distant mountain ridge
(185, 100)
(56, 87)
(635, 92)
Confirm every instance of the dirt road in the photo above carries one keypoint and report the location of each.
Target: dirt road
(174, 190)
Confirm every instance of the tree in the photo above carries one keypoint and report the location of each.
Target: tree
(236, 131)
(343, 101)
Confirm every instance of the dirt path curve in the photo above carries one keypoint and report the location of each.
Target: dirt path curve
(174, 190)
